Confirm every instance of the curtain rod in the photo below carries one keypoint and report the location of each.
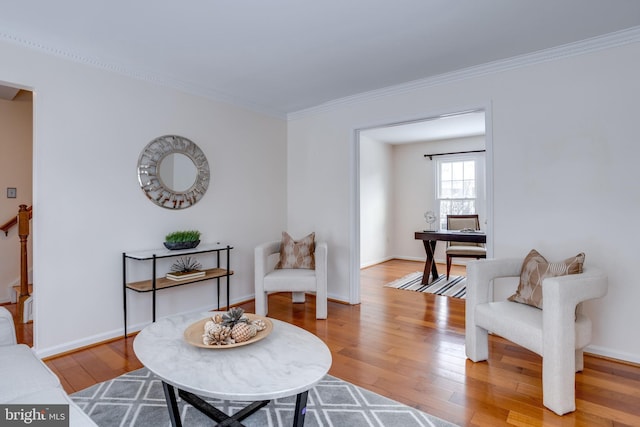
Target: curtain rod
(430, 156)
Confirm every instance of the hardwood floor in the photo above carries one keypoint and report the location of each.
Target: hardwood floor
(409, 346)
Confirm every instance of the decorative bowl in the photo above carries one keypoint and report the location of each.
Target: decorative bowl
(174, 246)
(193, 333)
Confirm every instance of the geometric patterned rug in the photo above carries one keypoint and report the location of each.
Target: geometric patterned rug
(137, 399)
(455, 286)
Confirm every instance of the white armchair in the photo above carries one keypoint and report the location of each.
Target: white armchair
(558, 333)
(297, 281)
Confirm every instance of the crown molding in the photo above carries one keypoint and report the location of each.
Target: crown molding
(611, 40)
(619, 38)
(145, 75)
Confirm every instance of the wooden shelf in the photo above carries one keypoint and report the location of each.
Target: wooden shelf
(163, 282)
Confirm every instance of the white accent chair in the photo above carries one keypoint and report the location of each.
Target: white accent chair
(297, 281)
(558, 333)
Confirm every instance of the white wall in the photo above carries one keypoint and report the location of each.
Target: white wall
(376, 201)
(89, 128)
(564, 165)
(15, 171)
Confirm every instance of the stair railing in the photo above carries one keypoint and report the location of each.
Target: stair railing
(22, 220)
(24, 214)
(12, 222)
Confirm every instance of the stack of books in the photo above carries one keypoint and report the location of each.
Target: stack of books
(184, 275)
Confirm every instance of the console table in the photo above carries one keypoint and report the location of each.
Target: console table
(155, 283)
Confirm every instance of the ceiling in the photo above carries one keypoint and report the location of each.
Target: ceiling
(431, 129)
(283, 56)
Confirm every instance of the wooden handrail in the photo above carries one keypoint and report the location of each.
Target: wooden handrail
(24, 215)
(22, 221)
(14, 221)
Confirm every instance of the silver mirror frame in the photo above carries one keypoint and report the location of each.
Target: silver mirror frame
(149, 173)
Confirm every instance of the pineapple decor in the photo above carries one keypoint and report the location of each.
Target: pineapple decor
(231, 327)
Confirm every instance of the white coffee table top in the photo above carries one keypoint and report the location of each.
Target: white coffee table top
(287, 362)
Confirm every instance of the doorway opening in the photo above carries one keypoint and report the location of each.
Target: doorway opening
(16, 171)
(395, 183)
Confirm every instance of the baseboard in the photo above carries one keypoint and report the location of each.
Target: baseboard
(71, 346)
(379, 261)
(419, 259)
(617, 356)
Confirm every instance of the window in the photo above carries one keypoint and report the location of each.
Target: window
(460, 185)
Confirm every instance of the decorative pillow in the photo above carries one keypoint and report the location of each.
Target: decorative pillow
(297, 254)
(535, 269)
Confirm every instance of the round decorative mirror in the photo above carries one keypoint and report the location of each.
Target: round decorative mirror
(173, 172)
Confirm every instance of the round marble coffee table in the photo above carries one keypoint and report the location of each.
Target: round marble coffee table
(289, 361)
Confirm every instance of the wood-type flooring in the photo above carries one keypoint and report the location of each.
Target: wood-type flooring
(409, 346)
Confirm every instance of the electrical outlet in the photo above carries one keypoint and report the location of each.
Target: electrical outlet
(11, 193)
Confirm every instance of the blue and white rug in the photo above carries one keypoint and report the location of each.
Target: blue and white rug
(137, 399)
(455, 286)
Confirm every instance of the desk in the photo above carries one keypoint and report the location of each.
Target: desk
(430, 238)
(289, 361)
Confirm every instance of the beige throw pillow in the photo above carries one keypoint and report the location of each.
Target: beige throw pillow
(297, 254)
(535, 269)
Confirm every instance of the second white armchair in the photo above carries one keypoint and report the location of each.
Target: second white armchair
(298, 281)
(558, 333)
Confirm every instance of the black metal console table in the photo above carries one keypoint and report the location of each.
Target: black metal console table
(157, 283)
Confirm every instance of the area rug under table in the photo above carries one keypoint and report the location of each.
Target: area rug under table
(137, 399)
(454, 286)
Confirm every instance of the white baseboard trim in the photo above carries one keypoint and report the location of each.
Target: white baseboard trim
(109, 335)
(378, 261)
(612, 354)
(420, 259)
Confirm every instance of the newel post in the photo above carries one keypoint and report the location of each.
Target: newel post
(23, 233)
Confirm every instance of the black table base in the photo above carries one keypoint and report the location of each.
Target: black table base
(429, 240)
(219, 416)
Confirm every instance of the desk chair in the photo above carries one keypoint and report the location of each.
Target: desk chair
(463, 249)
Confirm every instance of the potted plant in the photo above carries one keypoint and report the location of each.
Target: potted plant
(182, 240)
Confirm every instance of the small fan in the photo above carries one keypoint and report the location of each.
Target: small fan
(430, 217)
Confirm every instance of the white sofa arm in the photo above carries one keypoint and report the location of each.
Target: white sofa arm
(481, 273)
(561, 298)
(562, 355)
(572, 289)
(320, 256)
(262, 254)
(7, 328)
